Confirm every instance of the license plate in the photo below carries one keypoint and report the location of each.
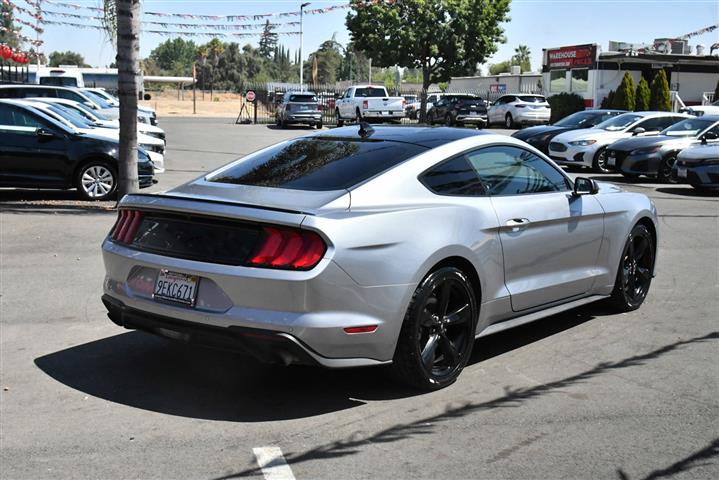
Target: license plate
(611, 161)
(384, 113)
(682, 172)
(176, 287)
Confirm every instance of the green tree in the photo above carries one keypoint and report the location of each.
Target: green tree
(642, 96)
(66, 58)
(6, 21)
(660, 98)
(268, 40)
(521, 57)
(175, 57)
(329, 60)
(608, 101)
(446, 38)
(624, 97)
(501, 67)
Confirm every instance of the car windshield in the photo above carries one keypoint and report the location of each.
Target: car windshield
(71, 116)
(532, 98)
(303, 98)
(620, 122)
(687, 128)
(59, 81)
(581, 119)
(97, 99)
(93, 113)
(370, 92)
(317, 163)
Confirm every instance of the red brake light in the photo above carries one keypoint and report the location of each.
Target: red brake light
(289, 248)
(365, 104)
(126, 226)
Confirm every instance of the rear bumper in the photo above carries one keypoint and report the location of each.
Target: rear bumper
(304, 118)
(531, 118)
(309, 308)
(473, 119)
(382, 115)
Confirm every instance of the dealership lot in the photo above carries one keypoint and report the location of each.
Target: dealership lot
(586, 394)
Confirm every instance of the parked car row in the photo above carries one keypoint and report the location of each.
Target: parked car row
(60, 137)
(668, 146)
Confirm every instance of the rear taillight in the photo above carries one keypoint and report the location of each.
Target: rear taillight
(126, 226)
(365, 104)
(289, 249)
(404, 103)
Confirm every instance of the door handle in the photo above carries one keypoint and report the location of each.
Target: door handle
(517, 224)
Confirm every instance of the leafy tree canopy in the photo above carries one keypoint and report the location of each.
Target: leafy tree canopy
(66, 58)
(442, 38)
(175, 56)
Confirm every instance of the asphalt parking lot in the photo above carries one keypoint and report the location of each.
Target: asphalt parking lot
(582, 395)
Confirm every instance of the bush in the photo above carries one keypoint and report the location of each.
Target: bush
(564, 104)
(642, 96)
(660, 98)
(608, 101)
(624, 98)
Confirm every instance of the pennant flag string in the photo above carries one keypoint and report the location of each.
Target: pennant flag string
(21, 37)
(20, 9)
(9, 16)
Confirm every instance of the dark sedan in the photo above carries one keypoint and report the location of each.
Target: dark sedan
(699, 166)
(654, 156)
(37, 151)
(460, 110)
(540, 136)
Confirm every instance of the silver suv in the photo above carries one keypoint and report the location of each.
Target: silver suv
(298, 107)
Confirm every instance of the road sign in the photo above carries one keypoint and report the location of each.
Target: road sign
(250, 96)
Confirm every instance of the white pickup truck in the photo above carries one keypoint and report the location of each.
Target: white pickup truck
(370, 103)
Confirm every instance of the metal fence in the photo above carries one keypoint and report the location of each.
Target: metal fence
(13, 73)
(267, 97)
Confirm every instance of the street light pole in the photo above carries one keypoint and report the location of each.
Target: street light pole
(302, 62)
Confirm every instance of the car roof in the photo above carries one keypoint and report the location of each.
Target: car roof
(25, 85)
(299, 92)
(714, 117)
(429, 137)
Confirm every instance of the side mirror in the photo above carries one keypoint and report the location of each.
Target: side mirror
(44, 135)
(708, 136)
(147, 96)
(90, 104)
(638, 131)
(585, 186)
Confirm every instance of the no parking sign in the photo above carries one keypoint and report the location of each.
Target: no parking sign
(250, 96)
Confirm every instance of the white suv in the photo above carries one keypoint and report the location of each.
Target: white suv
(520, 109)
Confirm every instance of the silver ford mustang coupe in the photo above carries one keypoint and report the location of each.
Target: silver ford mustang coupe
(375, 245)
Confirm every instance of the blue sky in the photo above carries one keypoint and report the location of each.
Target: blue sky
(537, 23)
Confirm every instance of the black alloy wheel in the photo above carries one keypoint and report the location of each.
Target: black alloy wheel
(438, 331)
(635, 270)
(508, 121)
(600, 162)
(666, 169)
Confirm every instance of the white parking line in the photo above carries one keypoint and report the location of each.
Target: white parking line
(272, 463)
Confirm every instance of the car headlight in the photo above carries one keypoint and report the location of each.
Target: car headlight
(646, 151)
(583, 143)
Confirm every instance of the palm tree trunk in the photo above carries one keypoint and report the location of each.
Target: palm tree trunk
(128, 74)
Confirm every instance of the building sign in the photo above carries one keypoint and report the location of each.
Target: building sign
(498, 88)
(579, 56)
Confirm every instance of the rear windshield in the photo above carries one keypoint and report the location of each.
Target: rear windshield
(318, 164)
(303, 98)
(532, 99)
(59, 81)
(370, 92)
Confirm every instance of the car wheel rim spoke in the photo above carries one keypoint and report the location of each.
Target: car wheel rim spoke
(429, 351)
(458, 316)
(449, 351)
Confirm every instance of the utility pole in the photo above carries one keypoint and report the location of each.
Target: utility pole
(302, 63)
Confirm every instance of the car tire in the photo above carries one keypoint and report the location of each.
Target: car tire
(665, 173)
(96, 180)
(508, 121)
(340, 122)
(434, 345)
(358, 116)
(319, 125)
(448, 120)
(599, 164)
(634, 273)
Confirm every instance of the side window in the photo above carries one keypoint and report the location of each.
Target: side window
(453, 177)
(37, 92)
(506, 170)
(70, 95)
(714, 130)
(13, 116)
(499, 101)
(656, 124)
(8, 93)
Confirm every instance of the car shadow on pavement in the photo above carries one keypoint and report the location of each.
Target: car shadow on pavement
(689, 192)
(151, 373)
